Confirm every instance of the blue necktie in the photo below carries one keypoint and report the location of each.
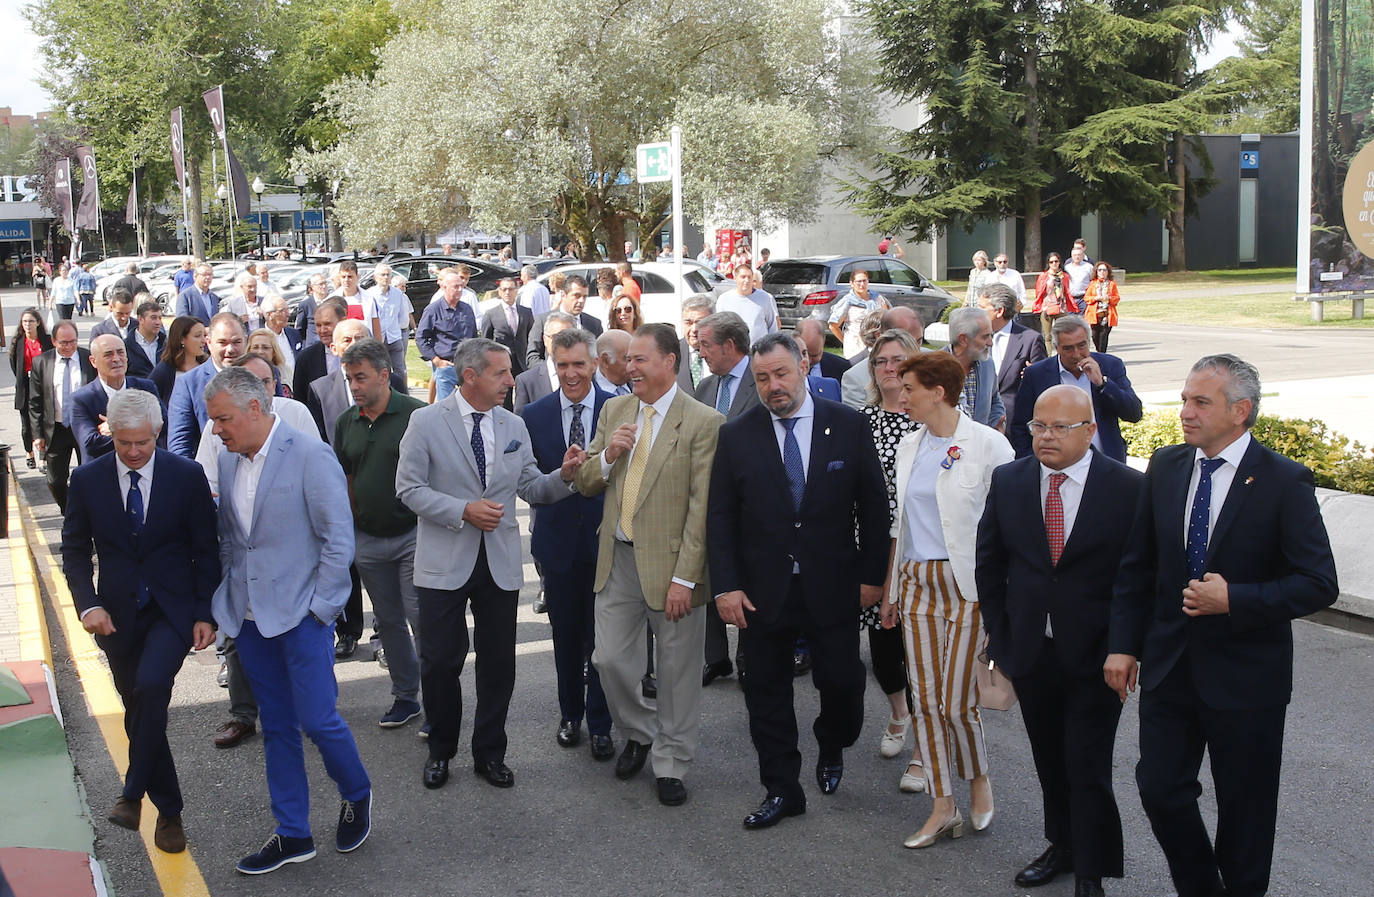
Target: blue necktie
(792, 462)
(1199, 518)
(135, 511)
(66, 386)
(576, 434)
(723, 397)
(479, 448)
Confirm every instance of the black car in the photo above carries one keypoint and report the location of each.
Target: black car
(422, 272)
(806, 287)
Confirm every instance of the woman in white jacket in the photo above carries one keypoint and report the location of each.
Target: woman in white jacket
(944, 470)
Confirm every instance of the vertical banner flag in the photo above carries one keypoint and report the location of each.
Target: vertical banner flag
(131, 207)
(242, 200)
(88, 212)
(238, 181)
(178, 150)
(62, 184)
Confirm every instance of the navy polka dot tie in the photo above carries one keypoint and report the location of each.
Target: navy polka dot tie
(479, 447)
(1199, 518)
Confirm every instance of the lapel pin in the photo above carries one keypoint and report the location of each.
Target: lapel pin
(1249, 480)
(827, 431)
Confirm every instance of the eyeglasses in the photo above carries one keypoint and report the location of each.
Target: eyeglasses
(625, 310)
(1059, 430)
(999, 261)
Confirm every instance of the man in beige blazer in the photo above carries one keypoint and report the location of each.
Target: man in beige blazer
(652, 454)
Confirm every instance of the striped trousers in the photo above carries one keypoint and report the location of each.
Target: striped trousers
(941, 630)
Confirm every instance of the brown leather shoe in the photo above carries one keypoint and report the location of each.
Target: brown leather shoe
(169, 836)
(126, 813)
(232, 732)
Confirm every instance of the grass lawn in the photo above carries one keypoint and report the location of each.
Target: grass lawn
(417, 370)
(1269, 311)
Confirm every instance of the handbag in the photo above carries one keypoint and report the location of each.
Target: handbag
(995, 691)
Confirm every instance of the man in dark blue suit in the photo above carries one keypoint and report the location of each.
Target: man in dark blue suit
(144, 511)
(1100, 375)
(1227, 548)
(820, 386)
(147, 337)
(197, 300)
(780, 569)
(186, 415)
(1050, 540)
(87, 413)
(563, 540)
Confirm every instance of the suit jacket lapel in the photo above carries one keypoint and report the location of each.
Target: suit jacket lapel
(1182, 473)
(820, 447)
(116, 495)
(1086, 519)
(1235, 498)
(1028, 484)
(228, 476)
(270, 467)
(665, 443)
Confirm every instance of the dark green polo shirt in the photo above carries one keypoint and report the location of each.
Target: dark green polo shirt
(368, 451)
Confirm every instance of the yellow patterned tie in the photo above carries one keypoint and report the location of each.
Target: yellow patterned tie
(634, 477)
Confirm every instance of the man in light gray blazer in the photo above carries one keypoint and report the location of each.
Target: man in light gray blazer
(970, 342)
(286, 644)
(463, 461)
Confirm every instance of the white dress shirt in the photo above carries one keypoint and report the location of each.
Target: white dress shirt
(247, 476)
(1222, 479)
(288, 365)
(607, 385)
(58, 372)
(488, 429)
(110, 391)
(393, 310)
(1070, 496)
(1000, 339)
(1012, 278)
(588, 403)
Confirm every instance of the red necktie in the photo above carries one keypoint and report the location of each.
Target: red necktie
(1054, 517)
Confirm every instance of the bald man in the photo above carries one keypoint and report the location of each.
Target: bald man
(87, 416)
(1054, 525)
(329, 395)
(854, 382)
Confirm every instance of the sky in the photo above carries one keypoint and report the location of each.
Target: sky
(19, 66)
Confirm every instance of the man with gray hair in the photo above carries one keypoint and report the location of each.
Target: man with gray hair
(1015, 347)
(724, 342)
(533, 294)
(244, 301)
(288, 339)
(611, 349)
(692, 370)
(86, 413)
(1100, 375)
(286, 642)
(152, 602)
(367, 440)
(970, 342)
(463, 493)
(395, 313)
(1227, 549)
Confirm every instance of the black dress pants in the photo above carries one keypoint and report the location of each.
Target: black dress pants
(58, 455)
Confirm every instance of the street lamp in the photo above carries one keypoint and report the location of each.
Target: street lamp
(222, 194)
(300, 180)
(258, 187)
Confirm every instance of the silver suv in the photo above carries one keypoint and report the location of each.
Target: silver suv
(806, 287)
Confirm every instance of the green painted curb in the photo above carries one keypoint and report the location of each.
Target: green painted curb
(36, 774)
(12, 692)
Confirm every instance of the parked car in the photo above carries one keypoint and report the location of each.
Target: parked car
(806, 287)
(147, 267)
(422, 272)
(657, 296)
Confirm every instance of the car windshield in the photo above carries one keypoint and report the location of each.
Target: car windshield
(794, 272)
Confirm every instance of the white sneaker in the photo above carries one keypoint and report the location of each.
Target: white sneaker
(892, 742)
(913, 782)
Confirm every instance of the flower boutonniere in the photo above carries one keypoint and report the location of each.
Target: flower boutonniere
(954, 454)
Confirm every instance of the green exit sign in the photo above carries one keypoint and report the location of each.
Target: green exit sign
(655, 162)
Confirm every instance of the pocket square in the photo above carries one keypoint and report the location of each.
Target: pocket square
(834, 465)
(514, 446)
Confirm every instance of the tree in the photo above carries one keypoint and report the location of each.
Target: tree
(499, 113)
(1266, 70)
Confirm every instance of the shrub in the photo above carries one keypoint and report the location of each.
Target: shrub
(1336, 462)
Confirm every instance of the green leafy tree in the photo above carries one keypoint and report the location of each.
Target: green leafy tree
(498, 112)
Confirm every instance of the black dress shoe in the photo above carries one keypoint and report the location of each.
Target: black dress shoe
(603, 748)
(772, 811)
(649, 686)
(345, 647)
(801, 663)
(828, 773)
(1087, 887)
(495, 772)
(631, 759)
(713, 671)
(569, 733)
(436, 773)
(1043, 869)
(671, 792)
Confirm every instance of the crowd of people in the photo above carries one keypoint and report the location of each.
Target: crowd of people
(967, 509)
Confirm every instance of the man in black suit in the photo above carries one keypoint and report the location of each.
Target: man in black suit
(1227, 548)
(315, 360)
(811, 332)
(146, 341)
(55, 375)
(723, 340)
(130, 282)
(572, 303)
(1014, 347)
(1050, 540)
(541, 379)
(509, 324)
(157, 575)
(87, 415)
(780, 569)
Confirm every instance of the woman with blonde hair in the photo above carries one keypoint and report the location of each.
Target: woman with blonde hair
(978, 277)
(943, 472)
(263, 343)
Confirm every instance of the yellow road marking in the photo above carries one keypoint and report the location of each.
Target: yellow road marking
(177, 873)
(33, 628)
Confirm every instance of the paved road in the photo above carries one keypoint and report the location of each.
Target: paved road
(569, 827)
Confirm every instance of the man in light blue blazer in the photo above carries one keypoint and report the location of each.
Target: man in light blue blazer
(286, 643)
(186, 413)
(970, 342)
(463, 461)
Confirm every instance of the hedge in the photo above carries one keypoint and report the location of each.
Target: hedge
(1336, 462)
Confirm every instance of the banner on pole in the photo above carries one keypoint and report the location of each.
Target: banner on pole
(178, 150)
(62, 184)
(131, 207)
(88, 212)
